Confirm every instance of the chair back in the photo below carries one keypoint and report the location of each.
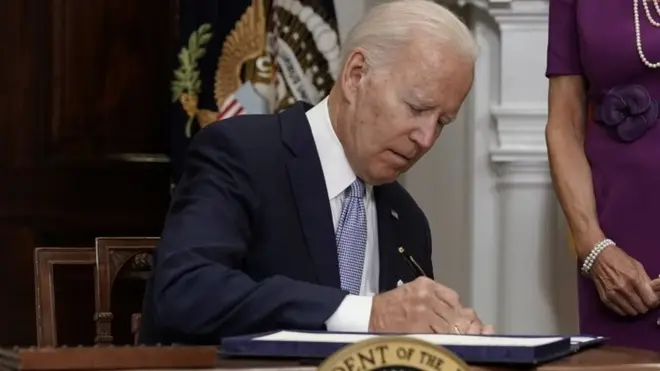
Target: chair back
(125, 257)
(45, 260)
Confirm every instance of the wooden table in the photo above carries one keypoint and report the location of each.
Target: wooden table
(605, 358)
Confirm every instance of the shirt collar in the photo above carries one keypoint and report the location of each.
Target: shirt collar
(337, 171)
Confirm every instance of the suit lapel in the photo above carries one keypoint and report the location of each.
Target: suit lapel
(387, 239)
(311, 195)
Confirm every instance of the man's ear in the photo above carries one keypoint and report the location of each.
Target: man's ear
(353, 73)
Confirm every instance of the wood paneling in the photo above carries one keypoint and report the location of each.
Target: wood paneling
(106, 77)
(84, 85)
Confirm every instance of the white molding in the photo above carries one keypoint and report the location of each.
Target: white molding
(521, 126)
(527, 173)
(521, 7)
(520, 155)
(510, 22)
(532, 155)
(527, 15)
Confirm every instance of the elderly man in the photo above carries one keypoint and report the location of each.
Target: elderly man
(296, 221)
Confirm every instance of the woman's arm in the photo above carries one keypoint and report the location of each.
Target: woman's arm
(621, 281)
(568, 164)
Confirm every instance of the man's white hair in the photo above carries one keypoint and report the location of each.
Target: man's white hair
(388, 27)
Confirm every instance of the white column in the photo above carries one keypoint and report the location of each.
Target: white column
(498, 233)
(522, 271)
(533, 279)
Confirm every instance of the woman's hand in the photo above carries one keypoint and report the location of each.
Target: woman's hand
(655, 285)
(623, 284)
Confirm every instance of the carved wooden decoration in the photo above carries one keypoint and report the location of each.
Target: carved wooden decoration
(129, 256)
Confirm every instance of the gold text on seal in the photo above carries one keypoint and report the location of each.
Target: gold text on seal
(393, 354)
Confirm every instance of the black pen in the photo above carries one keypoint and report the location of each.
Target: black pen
(417, 270)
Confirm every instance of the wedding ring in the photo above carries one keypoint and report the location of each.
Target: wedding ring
(456, 330)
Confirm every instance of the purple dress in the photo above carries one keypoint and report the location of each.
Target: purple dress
(596, 39)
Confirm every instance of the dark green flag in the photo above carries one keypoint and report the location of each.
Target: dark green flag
(248, 56)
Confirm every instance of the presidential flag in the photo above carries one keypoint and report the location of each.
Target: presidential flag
(248, 57)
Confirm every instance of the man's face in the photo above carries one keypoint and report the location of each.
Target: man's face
(394, 115)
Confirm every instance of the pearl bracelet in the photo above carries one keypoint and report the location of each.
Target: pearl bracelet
(593, 254)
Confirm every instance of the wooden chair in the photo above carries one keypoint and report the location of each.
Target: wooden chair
(115, 256)
(45, 258)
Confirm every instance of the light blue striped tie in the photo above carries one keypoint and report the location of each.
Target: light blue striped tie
(352, 238)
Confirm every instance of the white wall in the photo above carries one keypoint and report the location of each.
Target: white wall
(498, 235)
(349, 12)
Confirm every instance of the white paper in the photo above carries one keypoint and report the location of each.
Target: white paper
(583, 339)
(437, 339)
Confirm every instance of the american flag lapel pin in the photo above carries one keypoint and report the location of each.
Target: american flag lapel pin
(395, 215)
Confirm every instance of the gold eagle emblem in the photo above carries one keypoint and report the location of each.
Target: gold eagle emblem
(244, 58)
(242, 48)
(263, 66)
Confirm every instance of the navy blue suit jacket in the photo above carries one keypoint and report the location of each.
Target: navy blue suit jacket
(248, 244)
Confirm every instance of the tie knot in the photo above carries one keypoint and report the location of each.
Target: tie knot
(356, 189)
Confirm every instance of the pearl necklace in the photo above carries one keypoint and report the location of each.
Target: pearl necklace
(638, 33)
(648, 11)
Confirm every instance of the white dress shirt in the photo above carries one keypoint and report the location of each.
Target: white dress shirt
(354, 312)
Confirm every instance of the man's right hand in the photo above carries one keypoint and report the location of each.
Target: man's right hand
(622, 283)
(423, 306)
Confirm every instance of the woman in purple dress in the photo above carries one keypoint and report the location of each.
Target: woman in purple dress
(603, 137)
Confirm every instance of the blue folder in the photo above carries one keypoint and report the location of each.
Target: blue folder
(317, 346)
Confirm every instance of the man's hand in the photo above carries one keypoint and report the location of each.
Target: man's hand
(468, 323)
(423, 306)
(622, 283)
